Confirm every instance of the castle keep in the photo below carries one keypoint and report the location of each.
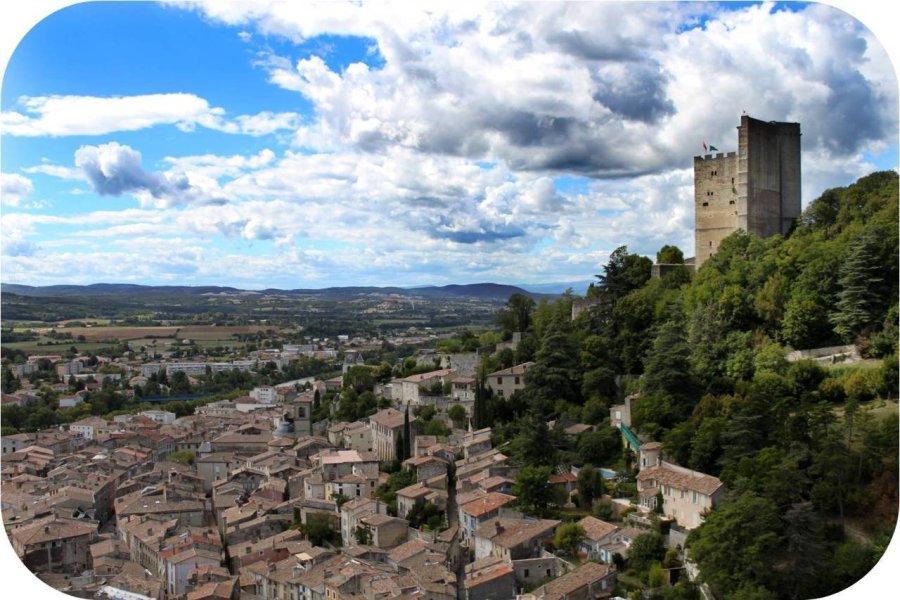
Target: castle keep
(756, 189)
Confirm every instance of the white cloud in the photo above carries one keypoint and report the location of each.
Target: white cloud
(386, 184)
(13, 188)
(92, 115)
(534, 85)
(59, 171)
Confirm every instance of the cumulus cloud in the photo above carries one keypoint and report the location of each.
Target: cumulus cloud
(453, 156)
(530, 84)
(13, 188)
(92, 115)
(113, 170)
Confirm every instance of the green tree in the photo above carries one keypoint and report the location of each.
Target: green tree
(9, 382)
(553, 376)
(590, 485)
(859, 305)
(533, 490)
(569, 536)
(183, 457)
(363, 535)
(457, 413)
(671, 255)
(646, 549)
(516, 315)
(738, 543)
(320, 529)
(407, 436)
(599, 447)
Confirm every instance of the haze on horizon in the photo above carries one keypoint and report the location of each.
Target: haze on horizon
(267, 145)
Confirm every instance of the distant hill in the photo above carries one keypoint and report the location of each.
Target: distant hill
(578, 287)
(483, 291)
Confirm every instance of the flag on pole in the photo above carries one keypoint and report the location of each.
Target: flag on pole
(713, 149)
(704, 146)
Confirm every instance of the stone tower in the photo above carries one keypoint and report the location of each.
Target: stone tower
(756, 189)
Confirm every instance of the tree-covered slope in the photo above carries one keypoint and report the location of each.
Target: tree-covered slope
(805, 456)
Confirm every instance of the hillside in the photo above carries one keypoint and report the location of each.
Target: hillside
(808, 455)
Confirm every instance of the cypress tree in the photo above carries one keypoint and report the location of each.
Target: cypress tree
(407, 439)
(477, 409)
(399, 446)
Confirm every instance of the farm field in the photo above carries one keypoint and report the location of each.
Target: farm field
(49, 346)
(219, 332)
(96, 338)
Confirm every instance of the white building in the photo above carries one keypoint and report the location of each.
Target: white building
(265, 394)
(506, 382)
(160, 416)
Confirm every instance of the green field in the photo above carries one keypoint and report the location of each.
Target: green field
(55, 346)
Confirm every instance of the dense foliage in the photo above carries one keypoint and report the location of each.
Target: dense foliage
(808, 452)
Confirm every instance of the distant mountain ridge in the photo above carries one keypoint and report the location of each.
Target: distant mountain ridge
(484, 291)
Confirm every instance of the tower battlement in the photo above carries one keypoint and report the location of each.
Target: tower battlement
(718, 156)
(756, 189)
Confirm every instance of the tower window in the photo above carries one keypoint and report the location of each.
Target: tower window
(710, 243)
(706, 204)
(731, 202)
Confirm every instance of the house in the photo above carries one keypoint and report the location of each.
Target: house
(597, 533)
(309, 446)
(476, 442)
(432, 490)
(513, 539)
(178, 567)
(506, 382)
(476, 512)
(162, 417)
(248, 439)
(427, 467)
(387, 428)
(352, 511)
(566, 481)
(489, 578)
(90, 427)
(385, 531)
(462, 390)
(352, 358)
(334, 463)
(215, 466)
(414, 386)
(619, 544)
(588, 582)
(351, 436)
(687, 495)
(70, 401)
(56, 545)
(577, 429)
(265, 394)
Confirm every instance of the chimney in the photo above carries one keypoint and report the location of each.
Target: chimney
(498, 526)
(46, 529)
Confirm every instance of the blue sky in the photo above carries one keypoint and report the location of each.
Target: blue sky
(288, 146)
